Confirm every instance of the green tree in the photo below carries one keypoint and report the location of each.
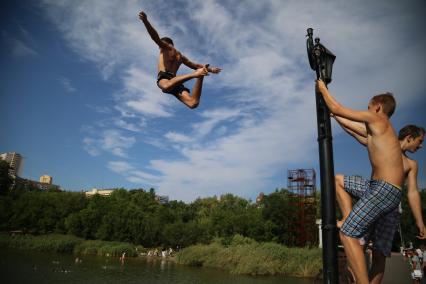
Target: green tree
(5, 178)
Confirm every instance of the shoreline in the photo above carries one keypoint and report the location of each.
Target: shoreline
(243, 256)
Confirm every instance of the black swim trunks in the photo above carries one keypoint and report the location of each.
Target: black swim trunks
(169, 75)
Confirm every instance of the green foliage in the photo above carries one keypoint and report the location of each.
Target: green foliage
(246, 256)
(136, 217)
(5, 178)
(104, 248)
(48, 243)
(67, 244)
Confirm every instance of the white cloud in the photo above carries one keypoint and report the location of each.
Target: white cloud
(177, 137)
(120, 122)
(116, 143)
(131, 173)
(121, 167)
(111, 141)
(66, 83)
(141, 96)
(99, 109)
(89, 144)
(18, 47)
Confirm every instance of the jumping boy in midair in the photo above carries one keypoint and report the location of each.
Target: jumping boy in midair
(169, 62)
(383, 194)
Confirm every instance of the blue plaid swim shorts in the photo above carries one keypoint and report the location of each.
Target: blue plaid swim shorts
(377, 199)
(383, 231)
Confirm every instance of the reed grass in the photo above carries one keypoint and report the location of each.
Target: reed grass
(66, 244)
(244, 256)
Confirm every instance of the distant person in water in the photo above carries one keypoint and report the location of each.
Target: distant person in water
(123, 258)
(169, 62)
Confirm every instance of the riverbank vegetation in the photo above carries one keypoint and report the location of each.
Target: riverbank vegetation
(239, 255)
(246, 256)
(137, 217)
(67, 244)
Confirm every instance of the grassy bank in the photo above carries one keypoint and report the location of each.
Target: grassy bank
(246, 256)
(66, 244)
(240, 256)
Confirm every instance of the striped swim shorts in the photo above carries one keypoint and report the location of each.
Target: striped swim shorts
(377, 198)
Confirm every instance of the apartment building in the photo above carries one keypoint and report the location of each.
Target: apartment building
(15, 161)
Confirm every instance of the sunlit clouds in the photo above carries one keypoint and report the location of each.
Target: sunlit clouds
(257, 117)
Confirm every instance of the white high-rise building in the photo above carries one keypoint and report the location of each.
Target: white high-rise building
(15, 161)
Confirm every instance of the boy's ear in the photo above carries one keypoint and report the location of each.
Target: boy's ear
(378, 108)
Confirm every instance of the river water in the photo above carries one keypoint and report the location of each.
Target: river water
(20, 266)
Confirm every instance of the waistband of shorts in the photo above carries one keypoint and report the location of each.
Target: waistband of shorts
(394, 185)
(166, 72)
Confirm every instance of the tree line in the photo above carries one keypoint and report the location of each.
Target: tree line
(137, 217)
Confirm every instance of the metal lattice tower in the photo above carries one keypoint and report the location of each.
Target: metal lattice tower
(302, 188)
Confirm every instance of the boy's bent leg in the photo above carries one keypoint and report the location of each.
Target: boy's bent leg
(344, 199)
(167, 84)
(356, 259)
(192, 101)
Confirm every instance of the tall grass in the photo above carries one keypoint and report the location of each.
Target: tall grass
(66, 244)
(51, 243)
(245, 256)
(104, 248)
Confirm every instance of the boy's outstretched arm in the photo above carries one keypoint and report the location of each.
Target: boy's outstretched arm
(414, 200)
(196, 66)
(337, 109)
(356, 129)
(152, 32)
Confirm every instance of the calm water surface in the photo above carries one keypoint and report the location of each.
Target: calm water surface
(20, 266)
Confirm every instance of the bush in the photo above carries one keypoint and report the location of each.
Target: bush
(246, 256)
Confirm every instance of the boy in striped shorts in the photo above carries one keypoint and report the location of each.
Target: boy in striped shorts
(382, 232)
(383, 193)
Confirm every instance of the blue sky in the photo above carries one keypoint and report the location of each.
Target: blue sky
(79, 99)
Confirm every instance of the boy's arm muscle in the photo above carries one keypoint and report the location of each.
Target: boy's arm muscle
(191, 64)
(414, 199)
(354, 126)
(337, 109)
(196, 66)
(361, 139)
(152, 32)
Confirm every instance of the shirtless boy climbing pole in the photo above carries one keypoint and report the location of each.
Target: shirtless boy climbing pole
(169, 62)
(384, 192)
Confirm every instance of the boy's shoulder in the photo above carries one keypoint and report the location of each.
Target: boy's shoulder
(410, 162)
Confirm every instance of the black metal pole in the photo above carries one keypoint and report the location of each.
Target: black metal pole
(328, 190)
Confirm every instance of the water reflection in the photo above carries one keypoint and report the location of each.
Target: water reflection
(17, 266)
